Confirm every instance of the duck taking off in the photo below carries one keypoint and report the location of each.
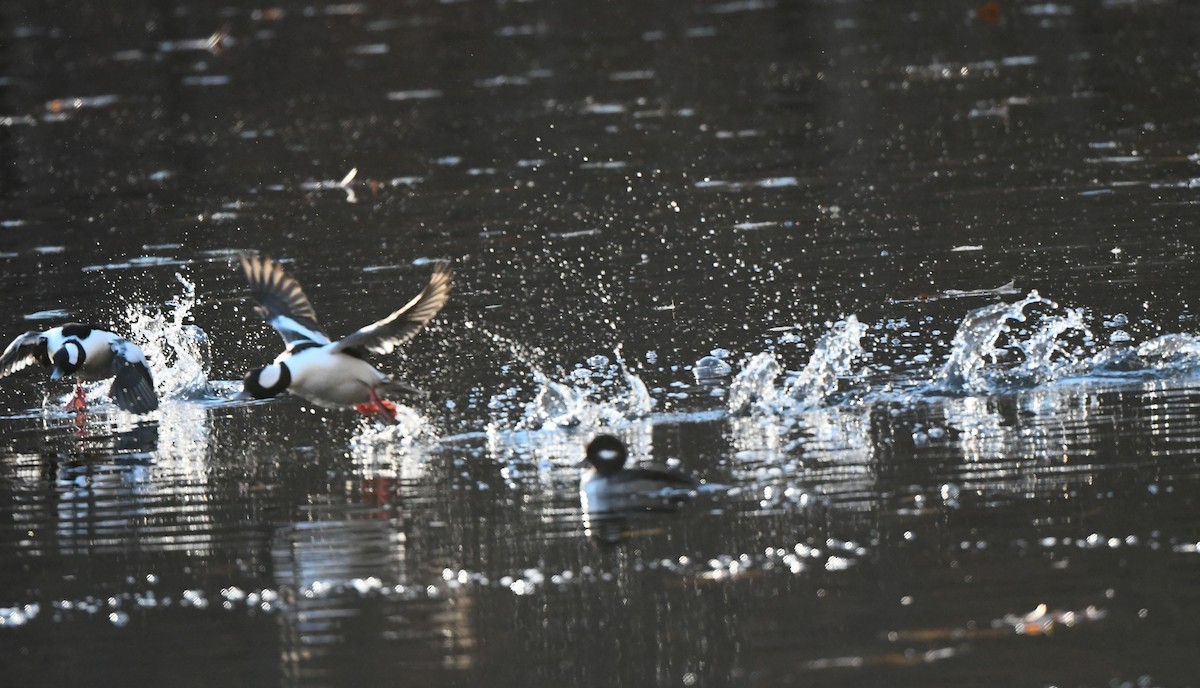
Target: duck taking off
(87, 354)
(328, 373)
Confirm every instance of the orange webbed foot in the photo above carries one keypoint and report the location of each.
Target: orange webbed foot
(380, 408)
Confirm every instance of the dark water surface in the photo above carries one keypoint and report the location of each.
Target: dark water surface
(926, 486)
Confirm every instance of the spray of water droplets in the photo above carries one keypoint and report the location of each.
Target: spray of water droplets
(177, 350)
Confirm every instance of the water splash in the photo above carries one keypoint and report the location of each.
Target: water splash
(1170, 351)
(754, 387)
(636, 401)
(389, 452)
(1046, 356)
(833, 360)
(595, 393)
(975, 341)
(975, 362)
(592, 398)
(555, 405)
(177, 350)
(410, 427)
(1169, 354)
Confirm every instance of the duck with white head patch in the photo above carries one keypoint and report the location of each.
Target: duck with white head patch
(328, 373)
(609, 486)
(87, 354)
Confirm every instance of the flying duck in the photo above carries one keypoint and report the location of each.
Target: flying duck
(328, 373)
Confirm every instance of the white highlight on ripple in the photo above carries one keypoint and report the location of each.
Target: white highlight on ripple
(415, 94)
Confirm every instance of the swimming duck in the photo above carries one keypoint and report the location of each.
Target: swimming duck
(86, 353)
(328, 373)
(608, 484)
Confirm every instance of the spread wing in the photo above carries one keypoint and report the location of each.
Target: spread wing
(132, 388)
(23, 352)
(281, 301)
(384, 336)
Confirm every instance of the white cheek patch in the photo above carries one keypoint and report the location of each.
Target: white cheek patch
(269, 377)
(608, 454)
(73, 355)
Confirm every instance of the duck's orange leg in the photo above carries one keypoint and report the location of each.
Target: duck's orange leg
(79, 401)
(382, 409)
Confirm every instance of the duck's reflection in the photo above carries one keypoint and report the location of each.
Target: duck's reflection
(355, 610)
(327, 564)
(125, 485)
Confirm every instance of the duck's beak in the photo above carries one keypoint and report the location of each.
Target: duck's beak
(242, 395)
(56, 373)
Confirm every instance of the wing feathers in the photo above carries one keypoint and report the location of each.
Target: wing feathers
(384, 336)
(281, 301)
(132, 388)
(21, 353)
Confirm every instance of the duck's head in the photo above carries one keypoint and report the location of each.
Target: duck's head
(606, 454)
(267, 382)
(68, 359)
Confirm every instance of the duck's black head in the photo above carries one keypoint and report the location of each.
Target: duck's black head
(68, 359)
(606, 454)
(268, 382)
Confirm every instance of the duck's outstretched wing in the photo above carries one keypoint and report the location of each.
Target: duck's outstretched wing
(384, 336)
(24, 351)
(281, 301)
(133, 387)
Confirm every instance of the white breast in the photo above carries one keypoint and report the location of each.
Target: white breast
(332, 380)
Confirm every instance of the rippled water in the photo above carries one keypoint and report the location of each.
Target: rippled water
(910, 287)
